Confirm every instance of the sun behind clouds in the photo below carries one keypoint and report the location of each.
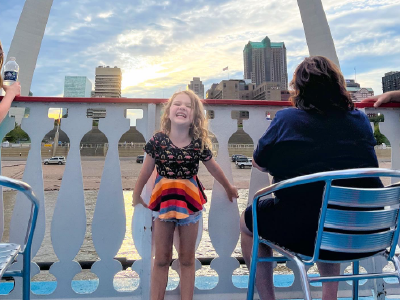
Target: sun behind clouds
(135, 76)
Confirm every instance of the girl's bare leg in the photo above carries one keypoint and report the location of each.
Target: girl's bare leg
(163, 239)
(186, 251)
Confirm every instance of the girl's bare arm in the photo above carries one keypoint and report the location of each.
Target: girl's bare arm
(144, 175)
(216, 171)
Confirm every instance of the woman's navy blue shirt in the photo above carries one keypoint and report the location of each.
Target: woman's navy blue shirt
(299, 143)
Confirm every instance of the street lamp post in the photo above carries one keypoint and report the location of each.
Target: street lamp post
(56, 136)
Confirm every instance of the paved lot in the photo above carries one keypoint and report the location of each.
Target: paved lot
(92, 168)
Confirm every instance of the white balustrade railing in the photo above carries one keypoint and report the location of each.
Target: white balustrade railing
(68, 225)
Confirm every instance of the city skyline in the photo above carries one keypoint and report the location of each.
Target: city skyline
(156, 51)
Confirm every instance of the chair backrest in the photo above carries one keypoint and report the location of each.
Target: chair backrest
(352, 220)
(358, 220)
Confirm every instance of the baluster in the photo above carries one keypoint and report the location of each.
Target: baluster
(255, 128)
(6, 126)
(68, 226)
(390, 129)
(224, 216)
(109, 222)
(36, 126)
(141, 219)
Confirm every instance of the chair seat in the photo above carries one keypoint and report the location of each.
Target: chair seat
(8, 253)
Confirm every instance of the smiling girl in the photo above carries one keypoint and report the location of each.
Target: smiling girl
(178, 196)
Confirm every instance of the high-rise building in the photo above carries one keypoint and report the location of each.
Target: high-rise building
(239, 89)
(197, 87)
(352, 83)
(108, 82)
(265, 61)
(267, 91)
(233, 89)
(391, 81)
(77, 86)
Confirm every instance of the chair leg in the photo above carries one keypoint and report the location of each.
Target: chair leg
(253, 270)
(26, 276)
(304, 279)
(396, 263)
(356, 271)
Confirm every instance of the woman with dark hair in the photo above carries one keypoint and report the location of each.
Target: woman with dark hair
(323, 132)
(11, 91)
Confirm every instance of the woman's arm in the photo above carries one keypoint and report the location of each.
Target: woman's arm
(144, 175)
(216, 171)
(12, 91)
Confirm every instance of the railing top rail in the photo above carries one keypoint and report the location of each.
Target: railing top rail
(160, 101)
(146, 100)
(371, 104)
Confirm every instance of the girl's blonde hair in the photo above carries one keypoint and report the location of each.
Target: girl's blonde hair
(1, 64)
(198, 128)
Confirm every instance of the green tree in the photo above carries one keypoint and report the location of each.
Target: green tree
(377, 118)
(380, 138)
(17, 135)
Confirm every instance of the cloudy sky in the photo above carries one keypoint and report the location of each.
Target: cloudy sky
(160, 45)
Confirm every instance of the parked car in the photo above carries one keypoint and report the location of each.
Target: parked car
(235, 156)
(139, 159)
(57, 160)
(243, 162)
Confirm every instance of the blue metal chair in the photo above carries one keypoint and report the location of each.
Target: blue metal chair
(9, 251)
(382, 221)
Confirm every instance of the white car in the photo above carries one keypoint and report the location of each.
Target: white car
(57, 160)
(243, 162)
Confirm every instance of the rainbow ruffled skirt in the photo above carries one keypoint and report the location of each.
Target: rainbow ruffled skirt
(177, 198)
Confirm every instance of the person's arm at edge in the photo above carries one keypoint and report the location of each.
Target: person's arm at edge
(144, 175)
(11, 92)
(216, 171)
(392, 96)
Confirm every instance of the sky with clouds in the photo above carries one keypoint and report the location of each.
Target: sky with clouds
(160, 45)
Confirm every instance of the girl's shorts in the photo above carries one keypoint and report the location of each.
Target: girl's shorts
(192, 219)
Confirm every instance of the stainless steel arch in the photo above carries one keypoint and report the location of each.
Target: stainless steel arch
(25, 45)
(316, 27)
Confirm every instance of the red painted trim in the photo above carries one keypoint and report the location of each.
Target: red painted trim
(147, 100)
(87, 100)
(159, 101)
(246, 102)
(371, 104)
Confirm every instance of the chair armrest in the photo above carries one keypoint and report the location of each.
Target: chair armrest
(26, 189)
